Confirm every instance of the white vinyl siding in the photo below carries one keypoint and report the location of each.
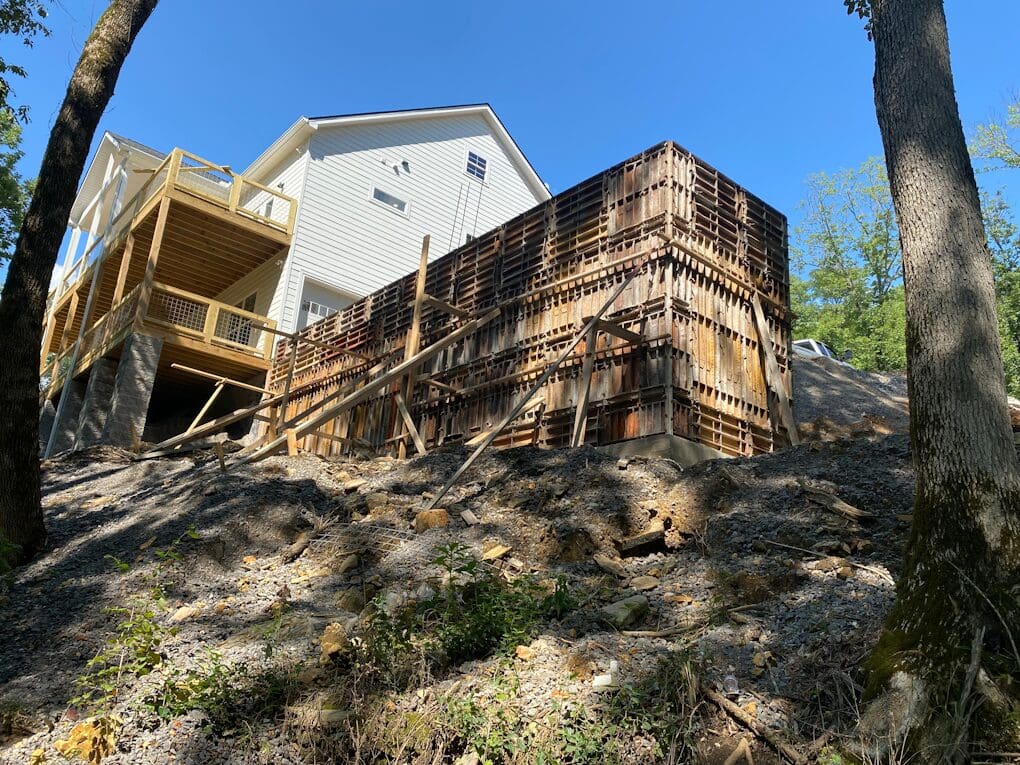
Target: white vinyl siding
(347, 239)
(263, 281)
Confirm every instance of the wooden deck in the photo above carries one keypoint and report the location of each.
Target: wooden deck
(193, 230)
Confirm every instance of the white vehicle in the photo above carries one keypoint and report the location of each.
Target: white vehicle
(816, 348)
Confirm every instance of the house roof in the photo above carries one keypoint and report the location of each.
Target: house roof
(92, 180)
(302, 129)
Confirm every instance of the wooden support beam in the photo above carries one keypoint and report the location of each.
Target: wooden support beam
(413, 341)
(581, 414)
(122, 273)
(145, 293)
(479, 437)
(442, 305)
(772, 373)
(291, 437)
(220, 378)
(215, 426)
(291, 362)
(437, 384)
(550, 370)
(294, 336)
(65, 333)
(406, 416)
(374, 386)
(612, 328)
(201, 412)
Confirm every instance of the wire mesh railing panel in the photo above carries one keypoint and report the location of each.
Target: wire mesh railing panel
(177, 310)
(238, 328)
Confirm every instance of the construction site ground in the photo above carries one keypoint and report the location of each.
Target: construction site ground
(254, 590)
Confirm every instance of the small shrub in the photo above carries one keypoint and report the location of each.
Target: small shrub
(212, 688)
(471, 613)
(133, 651)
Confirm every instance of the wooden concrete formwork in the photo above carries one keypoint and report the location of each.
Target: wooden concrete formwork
(686, 358)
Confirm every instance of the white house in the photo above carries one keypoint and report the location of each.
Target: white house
(198, 258)
(369, 187)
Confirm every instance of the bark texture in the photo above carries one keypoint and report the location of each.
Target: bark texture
(962, 566)
(23, 303)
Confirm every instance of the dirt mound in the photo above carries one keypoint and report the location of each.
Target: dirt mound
(745, 575)
(831, 400)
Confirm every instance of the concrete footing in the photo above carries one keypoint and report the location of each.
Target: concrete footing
(679, 449)
(132, 389)
(65, 426)
(96, 406)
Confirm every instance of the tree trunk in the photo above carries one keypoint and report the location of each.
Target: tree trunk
(23, 303)
(963, 557)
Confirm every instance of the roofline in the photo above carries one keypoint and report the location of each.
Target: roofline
(118, 143)
(298, 132)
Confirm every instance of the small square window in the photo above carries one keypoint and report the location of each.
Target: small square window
(389, 200)
(476, 166)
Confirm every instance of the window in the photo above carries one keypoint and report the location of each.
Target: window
(389, 200)
(316, 310)
(248, 304)
(476, 166)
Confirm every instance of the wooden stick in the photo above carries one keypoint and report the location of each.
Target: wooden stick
(314, 343)
(412, 345)
(374, 386)
(201, 412)
(214, 426)
(742, 752)
(581, 415)
(406, 415)
(876, 571)
(762, 732)
(219, 378)
(291, 437)
(772, 373)
(437, 384)
(479, 437)
(218, 448)
(442, 305)
(612, 328)
(550, 370)
(291, 362)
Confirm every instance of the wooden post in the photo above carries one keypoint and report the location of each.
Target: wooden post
(145, 293)
(550, 370)
(772, 374)
(292, 449)
(122, 273)
(65, 332)
(412, 345)
(291, 363)
(581, 415)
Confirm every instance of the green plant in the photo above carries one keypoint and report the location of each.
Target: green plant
(212, 688)
(162, 577)
(8, 552)
(133, 651)
(471, 613)
(173, 552)
(121, 566)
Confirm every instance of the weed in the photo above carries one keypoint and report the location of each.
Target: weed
(133, 651)
(471, 613)
(119, 565)
(211, 688)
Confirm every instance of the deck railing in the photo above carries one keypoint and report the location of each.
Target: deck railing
(202, 319)
(190, 174)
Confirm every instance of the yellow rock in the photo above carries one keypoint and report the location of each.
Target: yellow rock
(525, 653)
(333, 641)
(91, 739)
(495, 551)
(431, 519)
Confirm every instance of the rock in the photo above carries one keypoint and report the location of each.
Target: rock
(468, 758)
(608, 681)
(347, 564)
(845, 572)
(525, 653)
(376, 501)
(353, 485)
(830, 563)
(494, 551)
(624, 613)
(642, 583)
(184, 613)
(352, 600)
(333, 641)
(431, 519)
(623, 463)
(469, 518)
(612, 565)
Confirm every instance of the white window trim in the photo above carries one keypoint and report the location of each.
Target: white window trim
(371, 196)
(488, 167)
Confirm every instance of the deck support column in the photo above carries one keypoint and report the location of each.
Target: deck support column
(132, 389)
(122, 273)
(65, 422)
(96, 405)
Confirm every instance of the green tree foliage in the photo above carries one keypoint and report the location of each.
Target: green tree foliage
(23, 19)
(14, 190)
(852, 299)
(997, 144)
(852, 296)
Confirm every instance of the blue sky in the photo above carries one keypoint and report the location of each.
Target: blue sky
(767, 92)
